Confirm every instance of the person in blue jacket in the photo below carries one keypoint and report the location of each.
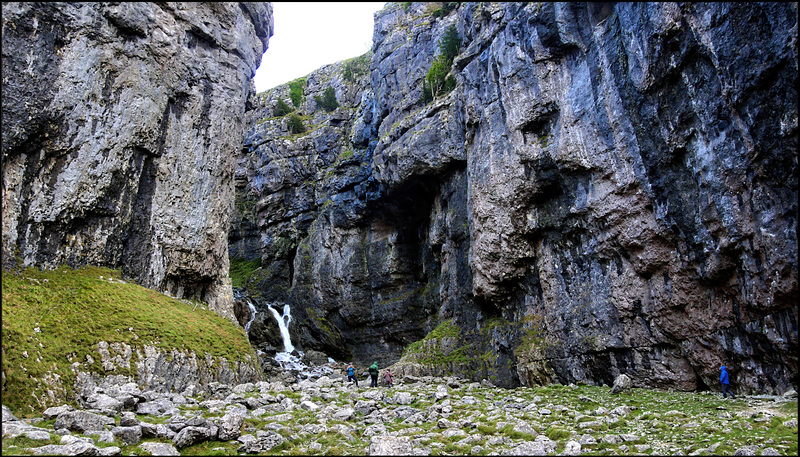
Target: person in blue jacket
(351, 374)
(725, 380)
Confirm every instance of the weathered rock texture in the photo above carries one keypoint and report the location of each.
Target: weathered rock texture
(120, 126)
(610, 188)
(160, 371)
(146, 367)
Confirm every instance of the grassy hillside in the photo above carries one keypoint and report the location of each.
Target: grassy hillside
(52, 319)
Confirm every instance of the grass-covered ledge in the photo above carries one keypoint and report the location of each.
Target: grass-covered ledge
(52, 319)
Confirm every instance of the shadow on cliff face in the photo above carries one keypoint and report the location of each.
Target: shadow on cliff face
(610, 181)
(378, 294)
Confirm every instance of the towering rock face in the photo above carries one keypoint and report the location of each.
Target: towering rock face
(121, 122)
(610, 188)
(633, 189)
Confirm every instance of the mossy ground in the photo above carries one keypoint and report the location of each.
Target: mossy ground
(661, 423)
(242, 269)
(52, 319)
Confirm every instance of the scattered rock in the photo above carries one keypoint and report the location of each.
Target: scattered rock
(76, 448)
(54, 411)
(230, 427)
(366, 413)
(82, 421)
(390, 445)
(159, 448)
(128, 436)
(747, 450)
(192, 435)
(621, 384)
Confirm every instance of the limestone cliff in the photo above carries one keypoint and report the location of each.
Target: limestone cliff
(609, 188)
(121, 122)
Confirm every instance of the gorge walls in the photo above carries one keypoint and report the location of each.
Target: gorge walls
(121, 122)
(609, 188)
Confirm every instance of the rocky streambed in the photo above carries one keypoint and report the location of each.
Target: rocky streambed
(417, 416)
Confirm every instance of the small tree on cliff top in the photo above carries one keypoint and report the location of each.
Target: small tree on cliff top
(450, 44)
(437, 82)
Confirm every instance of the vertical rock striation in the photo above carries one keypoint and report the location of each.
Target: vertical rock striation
(121, 122)
(610, 188)
(633, 188)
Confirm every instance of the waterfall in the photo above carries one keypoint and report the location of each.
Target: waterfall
(291, 359)
(252, 316)
(283, 325)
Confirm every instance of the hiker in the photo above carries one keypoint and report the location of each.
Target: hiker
(351, 374)
(388, 378)
(373, 374)
(725, 380)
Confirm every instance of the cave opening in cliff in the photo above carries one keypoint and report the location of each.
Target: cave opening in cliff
(700, 385)
(189, 286)
(408, 204)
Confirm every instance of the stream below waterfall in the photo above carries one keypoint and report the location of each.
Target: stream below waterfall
(290, 359)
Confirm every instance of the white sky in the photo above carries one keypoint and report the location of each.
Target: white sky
(309, 35)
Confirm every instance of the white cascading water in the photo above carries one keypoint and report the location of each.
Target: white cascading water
(283, 325)
(287, 359)
(252, 316)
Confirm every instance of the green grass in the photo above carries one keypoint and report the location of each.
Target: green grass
(23, 442)
(208, 448)
(557, 433)
(241, 269)
(57, 317)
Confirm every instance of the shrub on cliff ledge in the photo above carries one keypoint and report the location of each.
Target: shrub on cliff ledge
(282, 109)
(437, 82)
(450, 44)
(328, 100)
(296, 124)
(446, 8)
(296, 91)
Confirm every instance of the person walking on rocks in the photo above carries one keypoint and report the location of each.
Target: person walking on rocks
(387, 376)
(351, 374)
(373, 374)
(725, 380)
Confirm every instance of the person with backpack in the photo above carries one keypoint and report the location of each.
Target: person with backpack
(373, 374)
(351, 374)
